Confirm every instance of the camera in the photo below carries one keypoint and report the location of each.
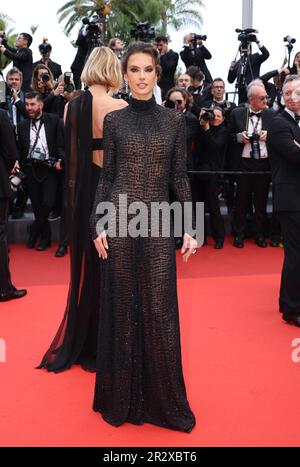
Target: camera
(246, 36)
(208, 115)
(142, 32)
(255, 147)
(9, 90)
(16, 179)
(45, 77)
(93, 23)
(68, 86)
(45, 48)
(289, 39)
(198, 37)
(173, 104)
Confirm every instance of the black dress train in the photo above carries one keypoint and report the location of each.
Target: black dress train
(76, 338)
(139, 373)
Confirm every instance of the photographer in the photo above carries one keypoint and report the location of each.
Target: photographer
(21, 56)
(89, 37)
(247, 68)
(198, 88)
(195, 53)
(41, 148)
(217, 98)
(15, 96)
(45, 50)
(43, 83)
(249, 131)
(8, 152)
(168, 61)
(209, 156)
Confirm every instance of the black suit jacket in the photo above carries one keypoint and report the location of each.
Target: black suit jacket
(197, 57)
(54, 67)
(168, 63)
(251, 72)
(8, 154)
(81, 54)
(22, 59)
(54, 136)
(285, 162)
(238, 123)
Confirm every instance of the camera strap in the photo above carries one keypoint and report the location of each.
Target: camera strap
(255, 125)
(36, 137)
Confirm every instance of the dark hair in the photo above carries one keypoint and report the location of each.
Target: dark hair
(163, 39)
(141, 48)
(34, 95)
(194, 72)
(218, 79)
(216, 107)
(14, 71)
(27, 37)
(186, 96)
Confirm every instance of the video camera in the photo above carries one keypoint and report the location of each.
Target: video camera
(93, 23)
(198, 37)
(246, 36)
(289, 39)
(142, 32)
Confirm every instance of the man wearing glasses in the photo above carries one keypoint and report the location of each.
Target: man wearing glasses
(249, 129)
(217, 98)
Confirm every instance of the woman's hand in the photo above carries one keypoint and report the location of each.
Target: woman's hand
(102, 245)
(189, 247)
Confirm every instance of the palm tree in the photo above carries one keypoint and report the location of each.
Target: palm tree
(6, 25)
(180, 13)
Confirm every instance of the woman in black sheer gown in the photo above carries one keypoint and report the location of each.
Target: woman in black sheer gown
(139, 372)
(76, 338)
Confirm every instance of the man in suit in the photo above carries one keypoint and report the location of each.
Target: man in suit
(217, 98)
(45, 50)
(249, 130)
(168, 61)
(15, 98)
(195, 53)
(41, 148)
(21, 56)
(284, 150)
(251, 71)
(8, 153)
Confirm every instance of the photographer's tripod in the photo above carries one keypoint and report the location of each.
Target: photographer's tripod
(241, 83)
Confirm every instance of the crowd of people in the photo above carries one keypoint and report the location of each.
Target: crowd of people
(75, 146)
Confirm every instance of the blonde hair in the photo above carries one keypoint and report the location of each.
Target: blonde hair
(102, 67)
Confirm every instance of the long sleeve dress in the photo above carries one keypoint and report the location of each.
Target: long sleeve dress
(139, 375)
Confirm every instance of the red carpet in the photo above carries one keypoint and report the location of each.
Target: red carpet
(242, 383)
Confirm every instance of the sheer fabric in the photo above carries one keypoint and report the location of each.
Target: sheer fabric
(76, 338)
(139, 372)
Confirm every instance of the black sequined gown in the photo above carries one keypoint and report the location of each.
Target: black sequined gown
(139, 373)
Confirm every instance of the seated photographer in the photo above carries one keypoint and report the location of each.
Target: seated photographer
(199, 89)
(179, 99)
(41, 150)
(45, 50)
(184, 81)
(217, 98)
(252, 66)
(209, 155)
(21, 56)
(15, 96)
(195, 53)
(168, 60)
(249, 130)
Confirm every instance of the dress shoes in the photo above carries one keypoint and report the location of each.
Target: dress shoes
(43, 245)
(274, 243)
(61, 251)
(32, 239)
(291, 318)
(14, 293)
(238, 241)
(260, 241)
(219, 244)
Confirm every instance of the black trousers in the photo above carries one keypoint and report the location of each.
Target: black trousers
(252, 188)
(41, 183)
(289, 299)
(204, 188)
(5, 281)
